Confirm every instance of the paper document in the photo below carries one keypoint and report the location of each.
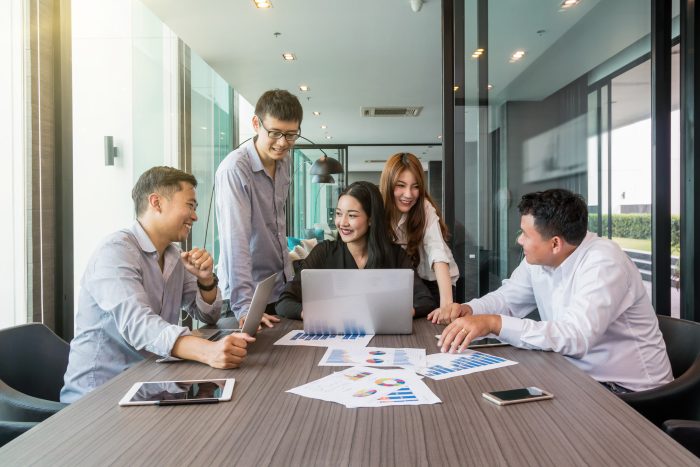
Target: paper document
(325, 340)
(369, 387)
(447, 365)
(412, 359)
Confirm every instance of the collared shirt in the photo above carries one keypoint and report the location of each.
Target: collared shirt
(434, 249)
(128, 309)
(251, 216)
(594, 310)
(335, 255)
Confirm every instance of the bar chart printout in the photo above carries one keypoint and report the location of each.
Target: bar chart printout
(302, 338)
(374, 356)
(446, 365)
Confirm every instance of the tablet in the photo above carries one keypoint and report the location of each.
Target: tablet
(179, 392)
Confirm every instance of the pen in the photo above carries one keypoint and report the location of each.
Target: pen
(187, 401)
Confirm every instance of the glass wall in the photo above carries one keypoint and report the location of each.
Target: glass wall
(312, 203)
(555, 97)
(212, 138)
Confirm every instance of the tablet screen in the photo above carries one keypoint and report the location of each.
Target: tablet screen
(182, 390)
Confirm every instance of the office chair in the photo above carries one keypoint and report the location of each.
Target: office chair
(685, 432)
(678, 399)
(30, 381)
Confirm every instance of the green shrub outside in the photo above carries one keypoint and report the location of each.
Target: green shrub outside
(635, 226)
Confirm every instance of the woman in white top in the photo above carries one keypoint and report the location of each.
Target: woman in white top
(418, 227)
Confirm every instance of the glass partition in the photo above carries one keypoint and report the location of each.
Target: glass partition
(552, 97)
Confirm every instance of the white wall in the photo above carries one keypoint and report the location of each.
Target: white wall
(114, 47)
(13, 271)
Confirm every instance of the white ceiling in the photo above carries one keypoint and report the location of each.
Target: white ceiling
(362, 53)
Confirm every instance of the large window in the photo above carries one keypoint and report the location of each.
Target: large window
(555, 97)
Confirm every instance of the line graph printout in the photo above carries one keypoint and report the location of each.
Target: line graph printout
(374, 356)
(447, 365)
(324, 340)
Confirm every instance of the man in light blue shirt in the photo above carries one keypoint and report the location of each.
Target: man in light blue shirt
(252, 184)
(135, 284)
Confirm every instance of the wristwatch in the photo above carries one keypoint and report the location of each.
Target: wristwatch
(212, 286)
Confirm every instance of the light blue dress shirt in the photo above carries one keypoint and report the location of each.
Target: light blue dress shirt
(128, 309)
(251, 216)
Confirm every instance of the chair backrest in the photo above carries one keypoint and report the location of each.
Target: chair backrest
(34, 360)
(682, 342)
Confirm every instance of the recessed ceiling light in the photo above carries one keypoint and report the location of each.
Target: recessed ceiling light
(489, 87)
(317, 113)
(569, 3)
(288, 56)
(329, 137)
(517, 55)
(303, 88)
(323, 127)
(262, 3)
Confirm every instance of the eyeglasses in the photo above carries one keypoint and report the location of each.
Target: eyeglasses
(276, 134)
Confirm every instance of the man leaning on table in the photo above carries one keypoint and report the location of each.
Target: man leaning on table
(590, 296)
(135, 284)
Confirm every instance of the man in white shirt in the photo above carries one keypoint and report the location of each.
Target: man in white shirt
(594, 307)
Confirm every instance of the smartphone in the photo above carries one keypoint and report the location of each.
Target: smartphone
(516, 396)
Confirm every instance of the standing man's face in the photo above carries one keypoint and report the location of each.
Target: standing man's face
(277, 146)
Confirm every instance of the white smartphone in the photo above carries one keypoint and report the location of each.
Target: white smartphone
(198, 391)
(516, 396)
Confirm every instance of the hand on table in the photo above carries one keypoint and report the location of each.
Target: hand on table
(267, 320)
(459, 334)
(449, 313)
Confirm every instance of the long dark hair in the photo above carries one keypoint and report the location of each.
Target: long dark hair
(379, 243)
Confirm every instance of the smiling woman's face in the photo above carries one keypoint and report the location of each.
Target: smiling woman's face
(351, 220)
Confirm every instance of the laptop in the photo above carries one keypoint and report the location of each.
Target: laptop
(357, 301)
(255, 313)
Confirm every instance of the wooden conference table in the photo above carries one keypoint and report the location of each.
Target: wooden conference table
(263, 425)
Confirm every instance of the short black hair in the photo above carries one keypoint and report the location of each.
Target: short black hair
(280, 104)
(164, 180)
(557, 213)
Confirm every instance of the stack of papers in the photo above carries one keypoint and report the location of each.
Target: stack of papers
(369, 387)
(412, 359)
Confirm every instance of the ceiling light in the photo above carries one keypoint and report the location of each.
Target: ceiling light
(456, 88)
(317, 113)
(329, 137)
(477, 53)
(439, 136)
(517, 55)
(489, 87)
(569, 3)
(303, 88)
(262, 3)
(323, 127)
(288, 56)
